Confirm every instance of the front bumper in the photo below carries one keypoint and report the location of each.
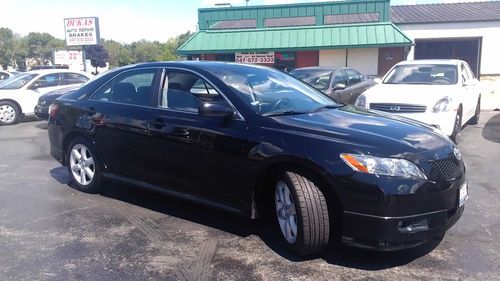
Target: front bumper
(443, 121)
(42, 112)
(411, 220)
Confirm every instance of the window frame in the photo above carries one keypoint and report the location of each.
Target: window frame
(154, 93)
(159, 92)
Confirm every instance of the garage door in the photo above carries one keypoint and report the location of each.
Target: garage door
(467, 49)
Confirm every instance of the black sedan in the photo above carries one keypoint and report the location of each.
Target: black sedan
(42, 107)
(257, 142)
(343, 84)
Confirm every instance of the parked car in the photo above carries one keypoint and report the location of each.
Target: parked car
(244, 137)
(19, 95)
(442, 93)
(42, 107)
(343, 84)
(4, 75)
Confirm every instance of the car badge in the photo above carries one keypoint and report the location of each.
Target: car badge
(395, 108)
(457, 153)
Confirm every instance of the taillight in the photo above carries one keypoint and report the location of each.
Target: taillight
(53, 109)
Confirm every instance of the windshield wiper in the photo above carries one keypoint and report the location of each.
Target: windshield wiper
(284, 112)
(328, 106)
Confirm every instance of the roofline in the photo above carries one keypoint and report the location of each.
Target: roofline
(290, 5)
(457, 21)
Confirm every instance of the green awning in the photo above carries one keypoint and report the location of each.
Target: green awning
(365, 35)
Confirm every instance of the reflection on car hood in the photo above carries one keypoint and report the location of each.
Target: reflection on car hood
(383, 132)
(409, 94)
(58, 93)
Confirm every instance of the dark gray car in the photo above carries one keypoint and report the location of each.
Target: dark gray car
(343, 84)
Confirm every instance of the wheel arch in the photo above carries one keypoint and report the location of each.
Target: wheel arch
(70, 136)
(306, 168)
(15, 103)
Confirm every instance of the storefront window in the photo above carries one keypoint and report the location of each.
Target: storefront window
(224, 57)
(284, 61)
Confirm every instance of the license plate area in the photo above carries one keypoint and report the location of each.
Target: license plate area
(463, 194)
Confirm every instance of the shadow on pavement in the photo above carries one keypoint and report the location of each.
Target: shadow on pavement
(491, 130)
(264, 228)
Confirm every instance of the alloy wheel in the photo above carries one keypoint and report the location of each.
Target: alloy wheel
(286, 212)
(82, 164)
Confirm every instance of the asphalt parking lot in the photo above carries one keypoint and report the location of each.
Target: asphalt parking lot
(49, 231)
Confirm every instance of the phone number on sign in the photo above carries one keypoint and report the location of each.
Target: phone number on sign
(255, 60)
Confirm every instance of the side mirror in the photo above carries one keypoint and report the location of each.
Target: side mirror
(216, 109)
(377, 80)
(339, 86)
(472, 82)
(34, 86)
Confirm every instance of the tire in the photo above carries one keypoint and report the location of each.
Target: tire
(457, 127)
(475, 118)
(302, 214)
(9, 113)
(81, 158)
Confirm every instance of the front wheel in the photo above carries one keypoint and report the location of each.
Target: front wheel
(457, 127)
(302, 214)
(9, 113)
(83, 166)
(475, 118)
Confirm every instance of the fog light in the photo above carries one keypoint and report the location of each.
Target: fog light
(413, 227)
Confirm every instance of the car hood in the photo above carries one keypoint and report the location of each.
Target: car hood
(427, 95)
(372, 132)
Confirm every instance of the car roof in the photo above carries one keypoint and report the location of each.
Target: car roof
(55, 70)
(316, 68)
(432, 61)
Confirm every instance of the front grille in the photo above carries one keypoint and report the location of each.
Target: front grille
(398, 107)
(448, 169)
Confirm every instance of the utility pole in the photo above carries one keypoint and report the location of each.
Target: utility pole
(247, 2)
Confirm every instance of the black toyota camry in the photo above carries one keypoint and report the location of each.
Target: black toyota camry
(257, 142)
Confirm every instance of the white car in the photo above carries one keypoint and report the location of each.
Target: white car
(442, 93)
(19, 95)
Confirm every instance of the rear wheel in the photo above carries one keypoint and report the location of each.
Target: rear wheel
(302, 214)
(9, 113)
(83, 166)
(457, 127)
(475, 119)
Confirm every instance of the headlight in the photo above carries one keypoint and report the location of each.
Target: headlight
(361, 101)
(383, 166)
(442, 105)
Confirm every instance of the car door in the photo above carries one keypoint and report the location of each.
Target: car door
(192, 153)
(38, 87)
(356, 86)
(472, 89)
(120, 111)
(340, 78)
(468, 93)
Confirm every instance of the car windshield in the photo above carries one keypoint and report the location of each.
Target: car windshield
(17, 81)
(271, 92)
(430, 74)
(319, 79)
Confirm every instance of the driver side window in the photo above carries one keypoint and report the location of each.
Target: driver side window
(340, 78)
(184, 91)
(49, 80)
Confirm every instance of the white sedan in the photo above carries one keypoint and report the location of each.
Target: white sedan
(19, 96)
(442, 93)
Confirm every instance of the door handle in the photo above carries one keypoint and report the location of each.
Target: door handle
(156, 123)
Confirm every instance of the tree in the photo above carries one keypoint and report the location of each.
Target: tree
(41, 45)
(119, 54)
(98, 56)
(6, 47)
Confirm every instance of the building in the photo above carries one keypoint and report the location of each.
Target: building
(355, 33)
(469, 31)
(368, 35)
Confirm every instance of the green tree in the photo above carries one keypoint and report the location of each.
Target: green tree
(41, 45)
(98, 56)
(119, 54)
(6, 47)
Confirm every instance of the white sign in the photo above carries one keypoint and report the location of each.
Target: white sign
(254, 57)
(81, 31)
(68, 57)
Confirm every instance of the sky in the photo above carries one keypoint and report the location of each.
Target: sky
(125, 20)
